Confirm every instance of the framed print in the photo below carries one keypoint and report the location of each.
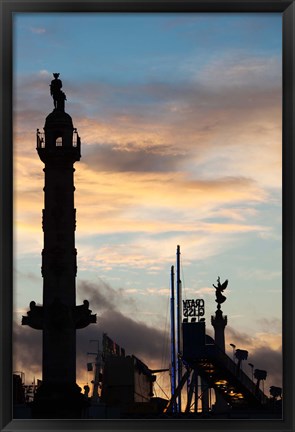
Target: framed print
(147, 234)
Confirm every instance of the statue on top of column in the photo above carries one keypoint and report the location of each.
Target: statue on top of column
(220, 298)
(58, 95)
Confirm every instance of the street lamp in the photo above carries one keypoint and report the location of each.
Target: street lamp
(260, 375)
(241, 355)
(252, 367)
(275, 392)
(233, 347)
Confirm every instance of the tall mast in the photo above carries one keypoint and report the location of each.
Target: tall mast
(172, 314)
(179, 320)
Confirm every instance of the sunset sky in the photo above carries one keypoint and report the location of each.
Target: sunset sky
(180, 121)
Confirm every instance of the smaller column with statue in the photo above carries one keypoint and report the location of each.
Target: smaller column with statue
(219, 321)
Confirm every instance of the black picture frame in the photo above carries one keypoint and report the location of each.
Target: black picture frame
(7, 9)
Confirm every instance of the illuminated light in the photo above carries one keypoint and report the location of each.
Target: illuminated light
(221, 382)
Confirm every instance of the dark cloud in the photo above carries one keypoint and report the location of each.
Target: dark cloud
(266, 358)
(240, 339)
(275, 324)
(193, 104)
(27, 349)
(136, 336)
(102, 296)
(103, 157)
(262, 357)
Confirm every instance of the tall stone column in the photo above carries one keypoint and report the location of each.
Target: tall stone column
(219, 322)
(59, 148)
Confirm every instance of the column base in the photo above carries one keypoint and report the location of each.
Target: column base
(59, 401)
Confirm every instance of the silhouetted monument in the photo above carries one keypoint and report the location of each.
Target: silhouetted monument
(59, 148)
(219, 321)
(58, 95)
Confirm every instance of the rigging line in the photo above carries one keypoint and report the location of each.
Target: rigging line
(162, 390)
(166, 336)
(167, 332)
(162, 379)
(183, 280)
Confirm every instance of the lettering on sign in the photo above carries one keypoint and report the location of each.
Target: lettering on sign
(193, 308)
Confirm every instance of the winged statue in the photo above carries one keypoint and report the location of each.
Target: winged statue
(220, 287)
